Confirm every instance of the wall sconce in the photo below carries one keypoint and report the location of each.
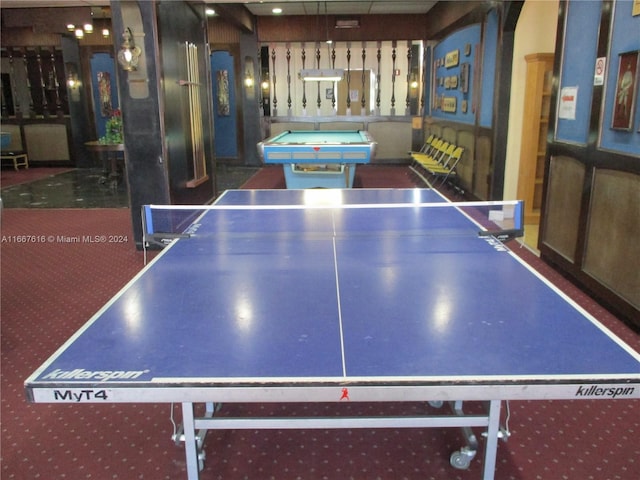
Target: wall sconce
(322, 74)
(72, 80)
(414, 81)
(74, 83)
(248, 80)
(129, 53)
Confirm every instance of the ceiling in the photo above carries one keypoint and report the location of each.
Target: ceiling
(338, 7)
(289, 7)
(53, 3)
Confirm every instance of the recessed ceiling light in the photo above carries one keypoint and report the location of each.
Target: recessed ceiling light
(276, 11)
(210, 12)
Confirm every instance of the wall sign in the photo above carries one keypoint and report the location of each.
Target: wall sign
(568, 102)
(598, 78)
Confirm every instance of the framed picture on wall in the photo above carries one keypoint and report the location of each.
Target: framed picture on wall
(624, 101)
(222, 77)
(104, 89)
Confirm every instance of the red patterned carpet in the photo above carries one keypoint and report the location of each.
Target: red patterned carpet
(50, 288)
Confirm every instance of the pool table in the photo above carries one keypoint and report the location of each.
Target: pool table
(318, 158)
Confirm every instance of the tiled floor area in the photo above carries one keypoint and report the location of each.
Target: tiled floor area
(80, 188)
(87, 188)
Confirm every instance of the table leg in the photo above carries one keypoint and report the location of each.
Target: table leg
(104, 160)
(114, 166)
(190, 445)
(491, 448)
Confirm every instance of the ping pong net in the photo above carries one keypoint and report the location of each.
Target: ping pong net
(163, 224)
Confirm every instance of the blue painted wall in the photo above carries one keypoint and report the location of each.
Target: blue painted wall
(583, 46)
(489, 59)
(578, 69)
(479, 102)
(456, 41)
(225, 126)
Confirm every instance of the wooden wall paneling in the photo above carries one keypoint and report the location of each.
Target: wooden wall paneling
(97, 39)
(15, 131)
(311, 28)
(46, 20)
(482, 167)
(449, 133)
(394, 140)
(590, 194)
(236, 16)
(466, 140)
(221, 32)
(26, 37)
(612, 249)
(446, 17)
(563, 200)
(47, 142)
(342, 126)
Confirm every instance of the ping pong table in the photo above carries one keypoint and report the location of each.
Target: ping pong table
(346, 295)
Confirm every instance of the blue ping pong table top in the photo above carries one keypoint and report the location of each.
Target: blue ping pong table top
(334, 296)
